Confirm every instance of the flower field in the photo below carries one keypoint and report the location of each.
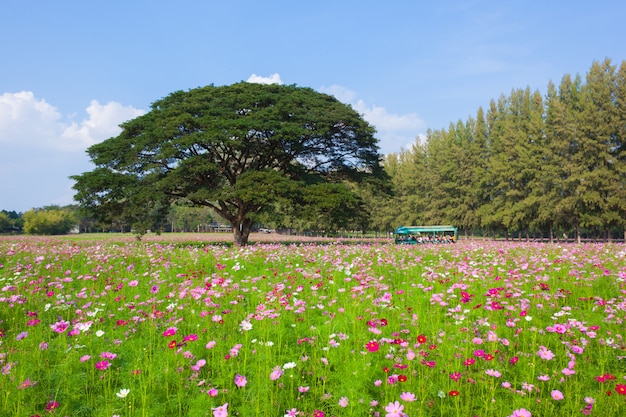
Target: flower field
(122, 328)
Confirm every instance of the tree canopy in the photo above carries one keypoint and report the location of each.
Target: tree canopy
(240, 150)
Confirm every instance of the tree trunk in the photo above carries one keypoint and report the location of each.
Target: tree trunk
(241, 231)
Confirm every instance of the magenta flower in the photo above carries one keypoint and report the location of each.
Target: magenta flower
(170, 332)
(212, 392)
(318, 413)
(102, 365)
(52, 405)
(190, 338)
(240, 381)
(372, 346)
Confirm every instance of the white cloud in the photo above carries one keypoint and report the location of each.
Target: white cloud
(395, 131)
(103, 123)
(340, 93)
(43, 148)
(272, 79)
(27, 121)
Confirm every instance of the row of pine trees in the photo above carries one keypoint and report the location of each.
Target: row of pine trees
(530, 165)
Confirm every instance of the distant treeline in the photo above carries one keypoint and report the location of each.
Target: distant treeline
(531, 165)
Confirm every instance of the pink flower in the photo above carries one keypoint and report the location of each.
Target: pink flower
(522, 412)
(60, 326)
(557, 395)
(545, 353)
(343, 402)
(221, 411)
(407, 396)
(212, 392)
(240, 381)
(277, 372)
(394, 409)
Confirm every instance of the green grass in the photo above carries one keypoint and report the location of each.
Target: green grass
(466, 319)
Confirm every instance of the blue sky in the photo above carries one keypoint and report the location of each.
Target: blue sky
(72, 71)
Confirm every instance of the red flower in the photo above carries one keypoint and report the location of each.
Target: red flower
(454, 393)
(402, 378)
(620, 389)
(421, 339)
(172, 344)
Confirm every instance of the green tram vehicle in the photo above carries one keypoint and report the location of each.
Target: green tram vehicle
(412, 235)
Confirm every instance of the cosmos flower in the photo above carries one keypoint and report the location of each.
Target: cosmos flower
(123, 393)
(240, 381)
(557, 395)
(394, 409)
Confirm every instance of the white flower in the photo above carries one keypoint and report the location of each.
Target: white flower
(289, 365)
(245, 325)
(100, 333)
(123, 393)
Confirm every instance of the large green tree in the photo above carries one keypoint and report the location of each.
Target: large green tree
(239, 150)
